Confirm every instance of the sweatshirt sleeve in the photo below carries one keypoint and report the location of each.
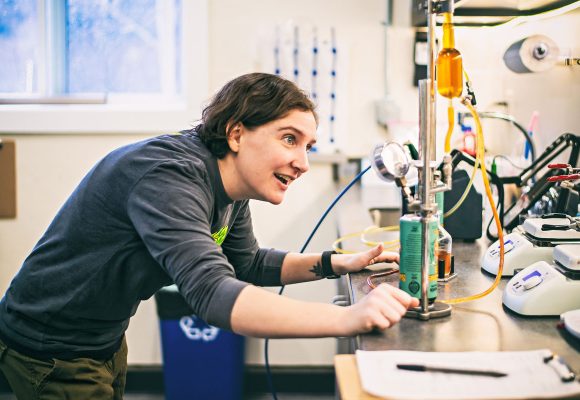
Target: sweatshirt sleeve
(170, 209)
(256, 265)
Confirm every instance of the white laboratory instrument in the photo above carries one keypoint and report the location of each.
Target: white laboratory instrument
(530, 243)
(571, 322)
(547, 289)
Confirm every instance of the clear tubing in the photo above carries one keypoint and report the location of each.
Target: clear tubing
(465, 192)
(445, 241)
(444, 249)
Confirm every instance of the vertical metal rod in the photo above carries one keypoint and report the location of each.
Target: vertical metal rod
(430, 40)
(427, 152)
(425, 187)
(426, 164)
(431, 25)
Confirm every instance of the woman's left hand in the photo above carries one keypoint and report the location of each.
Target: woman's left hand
(345, 263)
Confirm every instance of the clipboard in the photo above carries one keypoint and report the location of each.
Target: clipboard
(7, 178)
(537, 374)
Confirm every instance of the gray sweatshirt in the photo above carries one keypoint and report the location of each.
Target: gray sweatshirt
(148, 215)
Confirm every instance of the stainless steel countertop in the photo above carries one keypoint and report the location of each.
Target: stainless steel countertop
(482, 325)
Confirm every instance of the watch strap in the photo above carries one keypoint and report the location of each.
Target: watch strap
(327, 270)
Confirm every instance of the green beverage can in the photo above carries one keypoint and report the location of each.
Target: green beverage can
(411, 260)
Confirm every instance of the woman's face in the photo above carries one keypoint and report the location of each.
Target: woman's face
(272, 156)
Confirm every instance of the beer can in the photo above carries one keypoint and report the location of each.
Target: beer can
(410, 261)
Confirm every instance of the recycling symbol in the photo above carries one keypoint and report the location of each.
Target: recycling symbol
(196, 329)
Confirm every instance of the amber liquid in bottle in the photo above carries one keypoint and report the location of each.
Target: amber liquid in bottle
(449, 73)
(449, 64)
(445, 257)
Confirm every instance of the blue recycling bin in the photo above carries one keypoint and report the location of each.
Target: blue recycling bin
(200, 361)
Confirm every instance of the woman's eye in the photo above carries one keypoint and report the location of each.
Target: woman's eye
(290, 139)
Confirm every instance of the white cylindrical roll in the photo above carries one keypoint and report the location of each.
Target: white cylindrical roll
(532, 54)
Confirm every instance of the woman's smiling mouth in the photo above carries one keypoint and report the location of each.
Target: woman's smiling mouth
(285, 179)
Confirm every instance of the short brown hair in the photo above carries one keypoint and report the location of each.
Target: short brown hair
(252, 99)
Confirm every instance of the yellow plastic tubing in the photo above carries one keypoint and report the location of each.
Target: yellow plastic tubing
(451, 119)
(480, 156)
(480, 162)
(389, 245)
(449, 73)
(450, 84)
(450, 116)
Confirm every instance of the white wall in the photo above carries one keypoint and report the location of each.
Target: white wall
(237, 31)
(50, 165)
(555, 94)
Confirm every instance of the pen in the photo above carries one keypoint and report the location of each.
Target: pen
(427, 368)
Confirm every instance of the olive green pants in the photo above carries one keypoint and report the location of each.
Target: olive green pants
(80, 378)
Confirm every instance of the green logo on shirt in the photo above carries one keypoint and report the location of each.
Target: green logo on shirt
(220, 235)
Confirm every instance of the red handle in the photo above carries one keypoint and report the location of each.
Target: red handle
(563, 178)
(558, 166)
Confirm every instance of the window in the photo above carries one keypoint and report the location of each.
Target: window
(114, 55)
(19, 45)
(103, 47)
(123, 46)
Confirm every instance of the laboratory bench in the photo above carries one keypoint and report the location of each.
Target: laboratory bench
(479, 325)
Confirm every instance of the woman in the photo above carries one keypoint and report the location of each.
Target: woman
(174, 209)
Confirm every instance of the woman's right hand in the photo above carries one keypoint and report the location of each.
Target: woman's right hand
(382, 308)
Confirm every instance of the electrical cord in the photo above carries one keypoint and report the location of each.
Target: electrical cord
(379, 274)
(329, 208)
(465, 192)
(500, 156)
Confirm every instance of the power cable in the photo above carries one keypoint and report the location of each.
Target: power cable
(330, 207)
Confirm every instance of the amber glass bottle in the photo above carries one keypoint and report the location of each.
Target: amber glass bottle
(449, 64)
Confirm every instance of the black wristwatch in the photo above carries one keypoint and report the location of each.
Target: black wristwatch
(327, 271)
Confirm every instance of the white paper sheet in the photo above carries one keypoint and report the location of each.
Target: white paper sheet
(528, 376)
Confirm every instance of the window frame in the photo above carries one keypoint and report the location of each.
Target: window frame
(153, 114)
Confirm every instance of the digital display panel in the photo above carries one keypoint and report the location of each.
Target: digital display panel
(532, 274)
